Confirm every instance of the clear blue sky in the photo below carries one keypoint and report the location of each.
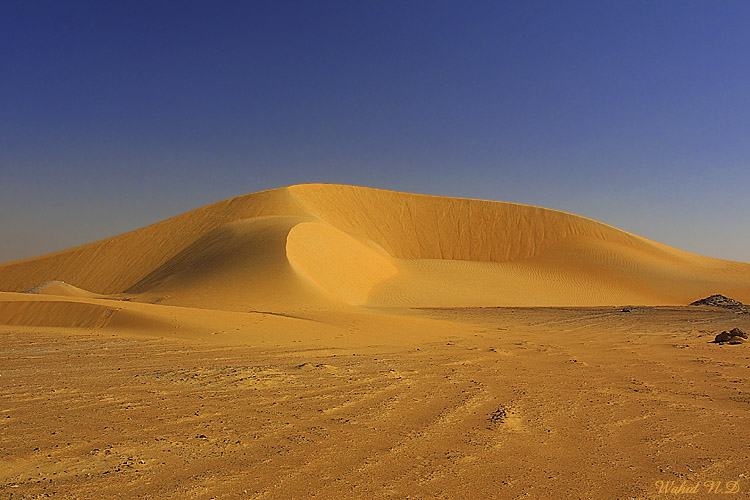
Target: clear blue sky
(115, 115)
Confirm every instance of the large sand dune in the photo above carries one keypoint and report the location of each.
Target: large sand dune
(328, 246)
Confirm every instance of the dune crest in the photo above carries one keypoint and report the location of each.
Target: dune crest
(327, 246)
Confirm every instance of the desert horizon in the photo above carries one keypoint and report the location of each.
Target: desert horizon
(374, 250)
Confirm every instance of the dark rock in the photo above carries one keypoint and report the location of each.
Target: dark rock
(738, 332)
(719, 301)
(722, 337)
(498, 416)
(733, 336)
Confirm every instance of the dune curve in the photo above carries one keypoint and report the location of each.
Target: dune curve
(340, 265)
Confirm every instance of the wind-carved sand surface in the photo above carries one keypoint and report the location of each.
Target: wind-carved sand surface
(347, 342)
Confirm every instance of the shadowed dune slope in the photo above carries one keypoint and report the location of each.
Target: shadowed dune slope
(323, 246)
(115, 264)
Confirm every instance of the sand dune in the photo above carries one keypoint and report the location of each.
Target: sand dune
(328, 246)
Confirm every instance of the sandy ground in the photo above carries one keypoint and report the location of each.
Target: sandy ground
(518, 403)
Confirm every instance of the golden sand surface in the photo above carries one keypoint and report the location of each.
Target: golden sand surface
(513, 403)
(340, 342)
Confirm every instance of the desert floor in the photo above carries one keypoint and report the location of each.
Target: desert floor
(518, 403)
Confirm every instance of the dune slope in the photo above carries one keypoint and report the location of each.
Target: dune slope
(329, 246)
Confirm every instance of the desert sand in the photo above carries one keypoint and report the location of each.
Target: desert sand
(343, 342)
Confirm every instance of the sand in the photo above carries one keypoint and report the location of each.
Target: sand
(345, 342)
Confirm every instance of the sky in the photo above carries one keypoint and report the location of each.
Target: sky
(116, 115)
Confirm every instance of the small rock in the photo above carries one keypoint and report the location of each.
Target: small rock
(738, 332)
(733, 336)
(498, 416)
(722, 337)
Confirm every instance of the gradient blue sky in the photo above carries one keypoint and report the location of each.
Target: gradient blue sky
(115, 115)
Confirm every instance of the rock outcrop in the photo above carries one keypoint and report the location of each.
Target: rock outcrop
(733, 336)
(719, 301)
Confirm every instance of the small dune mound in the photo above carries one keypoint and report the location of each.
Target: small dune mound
(733, 336)
(54, 313)
(718, 300)
(59, 288)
